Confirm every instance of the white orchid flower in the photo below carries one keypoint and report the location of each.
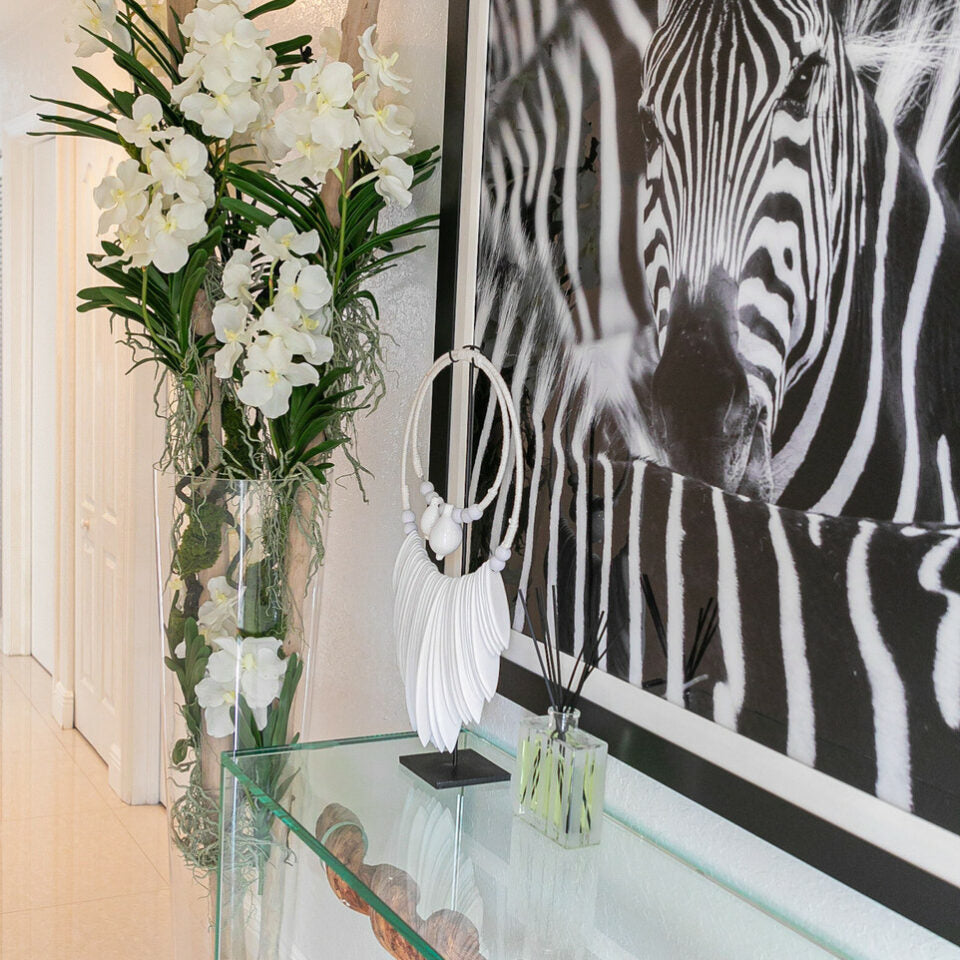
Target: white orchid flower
(238, 275)
(323, 85)
(232, 42)
(275, 325)
(379, 67)
(308, 159)
(303, 284)
(282, 242)
(172, 232)
(227, 109)
(217, 700)
(310, 338)
(122, 197)
(387, 130)
(136, 246)
(99, 17)
(230, 326)
(365, 97)
(264, 135)
(261, 674)
(180, 169)
(218, 615)
(267, 87)
(141, 128)
(394, 177)
(271, 376)
(254, 665)
(325, 90)
(336, 129)
(321, 348)
(191, 69)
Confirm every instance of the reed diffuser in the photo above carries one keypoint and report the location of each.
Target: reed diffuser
(558, 780)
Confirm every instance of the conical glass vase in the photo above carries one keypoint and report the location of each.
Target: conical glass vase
(238, 572)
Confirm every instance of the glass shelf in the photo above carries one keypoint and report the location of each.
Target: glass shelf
(357, 859)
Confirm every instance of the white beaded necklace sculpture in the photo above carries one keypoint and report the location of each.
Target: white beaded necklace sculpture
(451, 630)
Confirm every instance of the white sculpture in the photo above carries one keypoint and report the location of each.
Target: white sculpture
(451, 631)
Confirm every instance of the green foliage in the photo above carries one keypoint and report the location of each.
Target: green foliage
(157, 308)
(262, 600)
(238, 444)
(310, 429)
(200, 544)
(189, 670)
(176, 622)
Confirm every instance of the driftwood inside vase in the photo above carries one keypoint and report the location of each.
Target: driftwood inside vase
(449, 932)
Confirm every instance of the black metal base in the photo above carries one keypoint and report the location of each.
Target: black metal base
(439, 771)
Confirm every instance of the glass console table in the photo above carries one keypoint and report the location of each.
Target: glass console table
(334, 851)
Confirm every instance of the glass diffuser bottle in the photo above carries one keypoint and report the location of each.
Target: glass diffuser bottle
(558, 780)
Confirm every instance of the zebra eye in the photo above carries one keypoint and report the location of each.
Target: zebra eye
(797, 95)
(649, 133)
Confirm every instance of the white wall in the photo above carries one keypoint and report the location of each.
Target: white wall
(35, 60)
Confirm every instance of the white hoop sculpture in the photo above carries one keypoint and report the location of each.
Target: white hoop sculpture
(451, 630)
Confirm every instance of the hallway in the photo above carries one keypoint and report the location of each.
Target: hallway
(84, 876)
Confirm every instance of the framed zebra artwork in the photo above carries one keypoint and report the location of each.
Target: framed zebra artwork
(714, 247)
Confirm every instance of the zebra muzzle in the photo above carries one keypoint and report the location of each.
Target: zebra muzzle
(702, 415)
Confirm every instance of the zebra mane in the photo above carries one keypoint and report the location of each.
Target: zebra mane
(909, 50)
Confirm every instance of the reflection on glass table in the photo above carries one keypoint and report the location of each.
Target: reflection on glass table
(361, 860)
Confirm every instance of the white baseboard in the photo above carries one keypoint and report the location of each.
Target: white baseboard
(113, 770)
(62, 705)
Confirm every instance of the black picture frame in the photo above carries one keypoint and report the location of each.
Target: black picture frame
(877, 873)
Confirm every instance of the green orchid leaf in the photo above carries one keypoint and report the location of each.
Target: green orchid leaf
(80, 128)
(94, 84)
(283, 48)
(158, 30)
(269, 7)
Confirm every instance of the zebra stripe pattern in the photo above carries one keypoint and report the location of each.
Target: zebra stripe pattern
(738, 182)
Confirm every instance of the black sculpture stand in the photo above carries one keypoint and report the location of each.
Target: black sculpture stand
(462, 768)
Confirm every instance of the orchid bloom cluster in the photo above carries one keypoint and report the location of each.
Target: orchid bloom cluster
(253, 661)
(335, 114)
(275, 310)
(158, 201)
(231, 83)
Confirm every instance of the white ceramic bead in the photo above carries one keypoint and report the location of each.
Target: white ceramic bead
(474, 512)
(426, 488)
(446, 535)
(408, 516)
(457, 515)
(496, 565)
(409, 527)
(502, 553)
(430, 515)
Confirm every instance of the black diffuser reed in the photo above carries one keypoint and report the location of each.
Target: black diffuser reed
(707, 622)
(564, 694)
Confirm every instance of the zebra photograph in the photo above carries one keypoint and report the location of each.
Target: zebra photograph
(719, 265)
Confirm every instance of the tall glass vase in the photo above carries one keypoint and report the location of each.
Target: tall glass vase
(238, 563)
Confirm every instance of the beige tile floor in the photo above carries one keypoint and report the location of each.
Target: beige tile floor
(83, 876)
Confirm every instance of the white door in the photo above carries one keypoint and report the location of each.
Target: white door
(118, 438)
(43, 407)
(100, 463)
